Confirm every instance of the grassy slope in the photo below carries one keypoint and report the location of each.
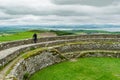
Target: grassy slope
(17, 36)
(83, 69)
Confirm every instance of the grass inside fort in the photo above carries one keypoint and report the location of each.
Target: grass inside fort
(82, 69)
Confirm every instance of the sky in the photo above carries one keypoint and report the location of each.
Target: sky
(59, 12)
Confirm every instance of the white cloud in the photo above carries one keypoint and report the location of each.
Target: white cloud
(59, 11)
(86, 2)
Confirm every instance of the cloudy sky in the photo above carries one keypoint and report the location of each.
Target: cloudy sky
(59, 11)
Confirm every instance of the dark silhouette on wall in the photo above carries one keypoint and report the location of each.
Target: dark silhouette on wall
(35, 38)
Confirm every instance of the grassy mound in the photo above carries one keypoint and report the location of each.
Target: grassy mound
(82, 69)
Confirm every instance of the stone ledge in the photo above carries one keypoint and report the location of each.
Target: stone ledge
(53, 55)
(93, 43)
(6, 45)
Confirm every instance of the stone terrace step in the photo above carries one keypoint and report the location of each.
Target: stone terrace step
(6, 45)
(11, 53)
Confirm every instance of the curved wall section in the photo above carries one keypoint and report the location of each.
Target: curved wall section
(94, 43)
(58, 54)
(33, 64)
(30, 41)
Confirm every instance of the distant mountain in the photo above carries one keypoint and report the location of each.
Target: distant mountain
(19, 28)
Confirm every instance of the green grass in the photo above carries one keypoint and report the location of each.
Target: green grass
(17, 36)
(28, 34)
(82, 69)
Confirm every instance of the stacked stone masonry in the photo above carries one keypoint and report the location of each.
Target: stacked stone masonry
(6, 59)
(64, 45)
(46, 58)
(30, 41)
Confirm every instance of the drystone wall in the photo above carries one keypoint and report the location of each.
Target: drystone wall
(6, 59)
(30, 41)
(33, 64)
(57, 54)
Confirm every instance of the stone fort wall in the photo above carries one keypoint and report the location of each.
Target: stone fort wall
(93, 43)
(64, 46)
(30, 41)
(48, 57)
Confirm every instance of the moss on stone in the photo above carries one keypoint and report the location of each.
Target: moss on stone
(53, 49)
(26, 76)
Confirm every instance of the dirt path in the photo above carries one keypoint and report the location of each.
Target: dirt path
(47, 34)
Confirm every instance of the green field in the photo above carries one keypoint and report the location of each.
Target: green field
(16, 36)
(82, 69)
(28, 34)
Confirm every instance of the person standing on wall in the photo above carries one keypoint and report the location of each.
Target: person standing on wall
(35, 38)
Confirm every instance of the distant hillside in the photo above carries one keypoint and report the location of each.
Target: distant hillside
(78, 32)
(79, 28)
